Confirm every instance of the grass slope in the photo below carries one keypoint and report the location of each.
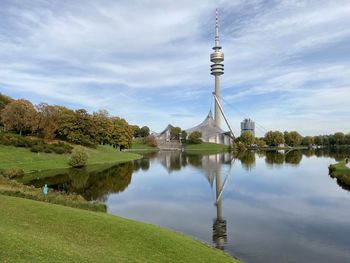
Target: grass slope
(138, 145)
(32, 231)
(206, 148)
(341, 172)
(15, 157)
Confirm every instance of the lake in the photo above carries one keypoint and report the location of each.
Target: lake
(274, 206)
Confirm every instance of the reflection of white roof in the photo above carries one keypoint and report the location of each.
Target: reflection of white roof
(208, 127)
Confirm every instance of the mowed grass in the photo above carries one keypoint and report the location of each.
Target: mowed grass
(15, 157)
(340, 168)
(206, 148)
(138, 145)
(341, 172)
(32, 231)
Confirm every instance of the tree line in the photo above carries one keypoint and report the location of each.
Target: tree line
(75, 126)
(293, 139)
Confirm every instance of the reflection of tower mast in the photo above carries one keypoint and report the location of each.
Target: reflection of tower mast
(219, 226)
(217, 68)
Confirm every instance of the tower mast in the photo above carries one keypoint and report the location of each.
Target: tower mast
(217, 69)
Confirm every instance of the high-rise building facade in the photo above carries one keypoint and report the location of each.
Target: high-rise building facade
(248, 125)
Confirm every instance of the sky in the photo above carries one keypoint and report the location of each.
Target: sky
(287, 63)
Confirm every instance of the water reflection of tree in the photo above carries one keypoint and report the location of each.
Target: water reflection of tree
(343, 185)
(274, 158)
(78, 178)
(247, 159)
(195, 160)
(92, 185)
(338, 154)
(113, 180)
(293, 157)
(142, 164)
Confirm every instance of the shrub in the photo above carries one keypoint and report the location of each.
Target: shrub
(195, 138)
(59, 150)
(150, 141)
(240, 147)
(12, 173)
(37, 148)
(78, 158)
(47, 150)
(35, 145)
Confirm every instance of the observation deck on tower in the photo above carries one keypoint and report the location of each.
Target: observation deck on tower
(217, 68)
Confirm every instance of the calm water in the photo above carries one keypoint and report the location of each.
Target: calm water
(275, 207)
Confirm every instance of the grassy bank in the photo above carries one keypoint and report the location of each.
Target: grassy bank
(15, 157)
(206, 148)
(39, 232)
(341, 172)
(139, 146)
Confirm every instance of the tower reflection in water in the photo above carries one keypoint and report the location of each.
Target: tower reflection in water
(219, 226)
(213, 164)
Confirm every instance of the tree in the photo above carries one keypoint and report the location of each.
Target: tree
(100, 126)
(247, 138)
(18, 115)
(175, 133)
(183, 136)
(136, 131)
(150, 141)
(274, 138)
(292, 138)
(339, 138)
(195, 138)
(260, 143)
(318, 140)
(347, 139)
(76, 126)
(144, 131)
(4, 100)
(121, 133)
(47, 120)
(307, 140)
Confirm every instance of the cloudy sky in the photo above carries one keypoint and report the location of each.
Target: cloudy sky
(287, 63)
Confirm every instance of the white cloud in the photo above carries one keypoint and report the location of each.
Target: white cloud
(149, 60)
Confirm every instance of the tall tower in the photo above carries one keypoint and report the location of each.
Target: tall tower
(217, 69)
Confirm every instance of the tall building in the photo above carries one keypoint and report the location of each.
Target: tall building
(217, 69)
(248, 125)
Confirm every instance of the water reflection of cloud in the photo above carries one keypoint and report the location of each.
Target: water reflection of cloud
(297, 209)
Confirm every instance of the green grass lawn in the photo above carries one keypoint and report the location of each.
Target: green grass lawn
(341, 172)
(206, 148)
(33, 231)
(15, 157)
(138, 145)
(340, 168)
